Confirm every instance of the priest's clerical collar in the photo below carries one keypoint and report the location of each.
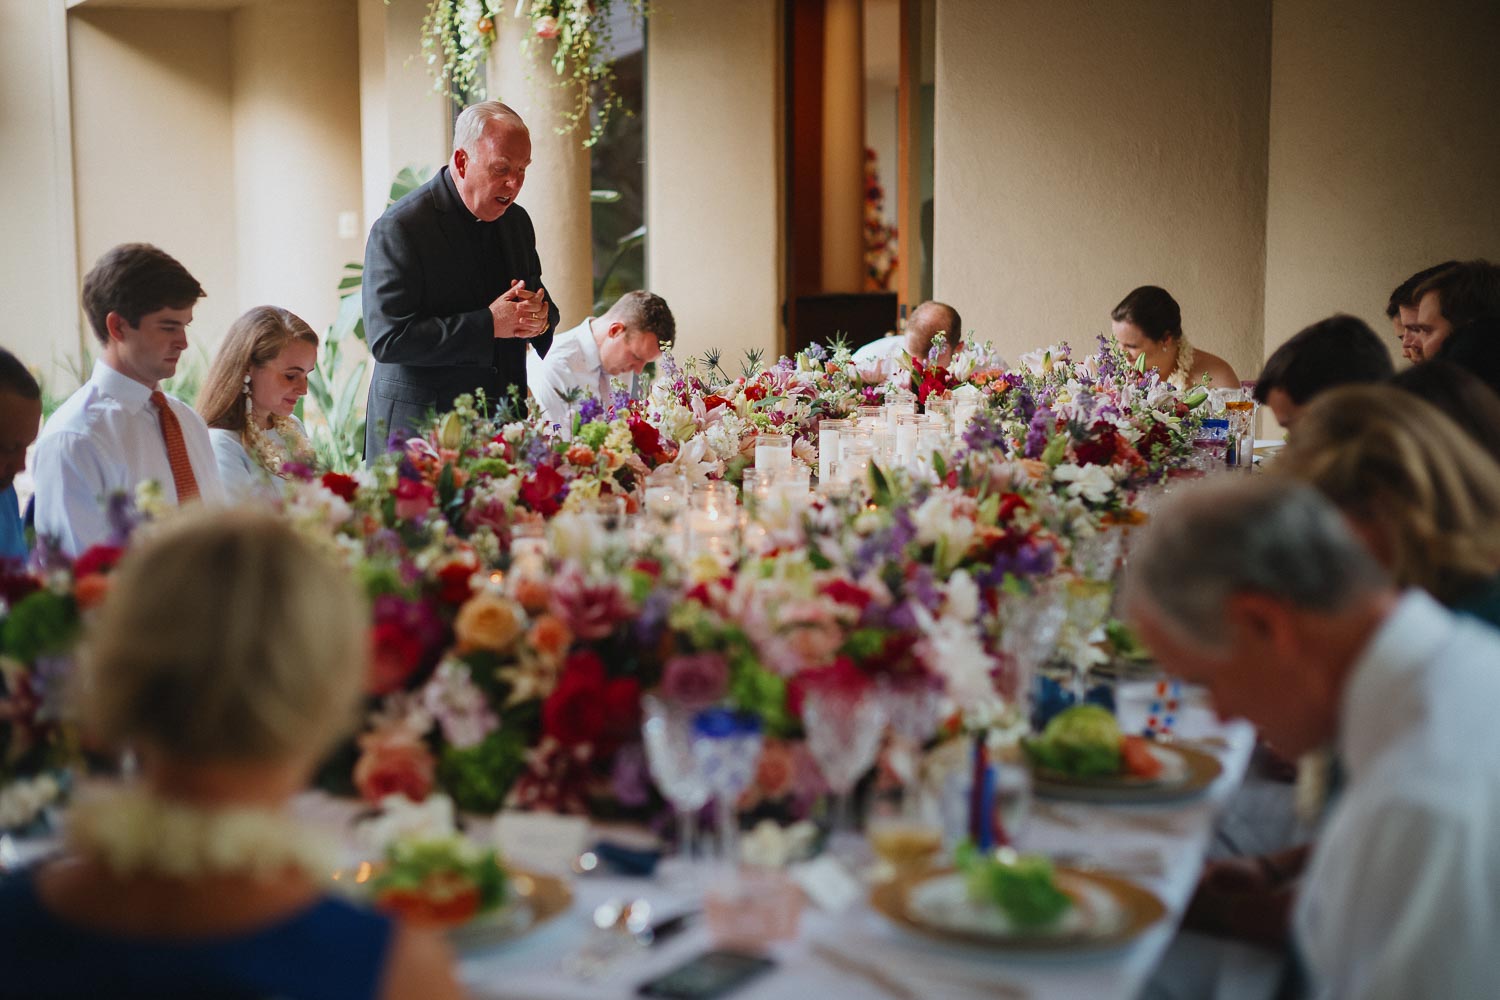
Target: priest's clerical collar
(457, 198)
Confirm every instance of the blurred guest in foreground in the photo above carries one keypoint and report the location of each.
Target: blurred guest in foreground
(1462, 398)
(1416, 488)
(1463, 293)
(20, 416)
(248, 397)
(1262, 593)
(1336, 351)
(923, 327)
(229, 654)
(1148, 323)
(1401, 309)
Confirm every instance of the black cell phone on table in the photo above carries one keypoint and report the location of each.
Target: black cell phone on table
(709, 975)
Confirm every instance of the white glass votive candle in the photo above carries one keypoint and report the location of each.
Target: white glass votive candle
(829, 433)
(773, 452)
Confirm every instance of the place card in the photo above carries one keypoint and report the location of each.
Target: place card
(827, 883)
(540, 840)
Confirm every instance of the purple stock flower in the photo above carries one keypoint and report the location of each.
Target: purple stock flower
(817, 352)
(122, 517)
(537, 450)
(590, 409)
(619, 401)
(1040, 431)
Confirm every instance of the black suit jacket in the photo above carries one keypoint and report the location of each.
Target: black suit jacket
(431, 272)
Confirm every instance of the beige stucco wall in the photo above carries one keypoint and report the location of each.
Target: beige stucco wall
(296, 141)
(1384, 152)
(36, 190)
(154, 147)
(713, 173)
(1083, 149)
(403, 121)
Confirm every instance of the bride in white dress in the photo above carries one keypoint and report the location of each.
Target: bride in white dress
(248, 397)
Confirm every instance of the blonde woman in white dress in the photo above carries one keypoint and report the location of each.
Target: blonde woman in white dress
(247, 400)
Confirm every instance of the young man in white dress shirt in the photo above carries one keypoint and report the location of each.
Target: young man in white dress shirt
(119, 430)
(926, 321)
(627, 338)
(1262, 592)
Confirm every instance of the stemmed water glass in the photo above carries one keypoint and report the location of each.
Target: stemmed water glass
(726, 746)
(1030, 624)
(668, 734)
(844, 726)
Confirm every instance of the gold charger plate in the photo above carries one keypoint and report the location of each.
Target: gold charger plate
(532, 899)
(1199, 769)
(1132, 910)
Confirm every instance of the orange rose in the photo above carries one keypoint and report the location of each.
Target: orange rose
(549, 636)
(1034, 468)
(89, 590)
(580, 454)
(487, 622)
(534, 594)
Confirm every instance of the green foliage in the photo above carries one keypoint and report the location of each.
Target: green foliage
(40, 623)
(479, 777)
(338, 382)
(753, 688)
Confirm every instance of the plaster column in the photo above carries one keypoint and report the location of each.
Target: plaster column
(843, 147)
(556, 193)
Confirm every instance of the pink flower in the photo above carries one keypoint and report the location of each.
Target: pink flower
(546, 26)
(695, 680)
(413, 499)
(394, 761)
(590, 610)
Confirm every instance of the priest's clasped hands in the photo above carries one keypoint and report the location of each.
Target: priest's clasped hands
(519, 313)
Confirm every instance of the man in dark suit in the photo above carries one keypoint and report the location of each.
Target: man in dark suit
(453, 285)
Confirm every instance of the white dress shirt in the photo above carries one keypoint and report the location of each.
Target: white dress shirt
(571, 363)
(1402, 899)
(887, 350)
(107, 439)
(241, 476)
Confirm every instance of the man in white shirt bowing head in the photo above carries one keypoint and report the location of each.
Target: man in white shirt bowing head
(1261, 591)
(119, 429)
(583, 361)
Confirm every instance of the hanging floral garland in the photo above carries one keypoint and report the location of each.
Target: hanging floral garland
(457, 34)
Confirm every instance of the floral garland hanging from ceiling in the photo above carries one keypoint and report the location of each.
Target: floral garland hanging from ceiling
(457, 35)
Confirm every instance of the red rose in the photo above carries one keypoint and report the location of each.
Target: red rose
(1101, 447)
(413, 499)
(755, 392)
(341, 485)
(395, 656)
(98, 559)
(647, 440)
(1010, 503)
(575, 712)
(845, 592)
(453, 583)
(542, 490)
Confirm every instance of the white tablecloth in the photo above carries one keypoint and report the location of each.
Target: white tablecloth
(532, 968)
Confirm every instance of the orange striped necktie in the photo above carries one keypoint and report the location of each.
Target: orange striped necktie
(177, 453)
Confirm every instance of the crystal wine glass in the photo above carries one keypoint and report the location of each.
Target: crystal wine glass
(668, 735)
(1030, 624)
(844, 727)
